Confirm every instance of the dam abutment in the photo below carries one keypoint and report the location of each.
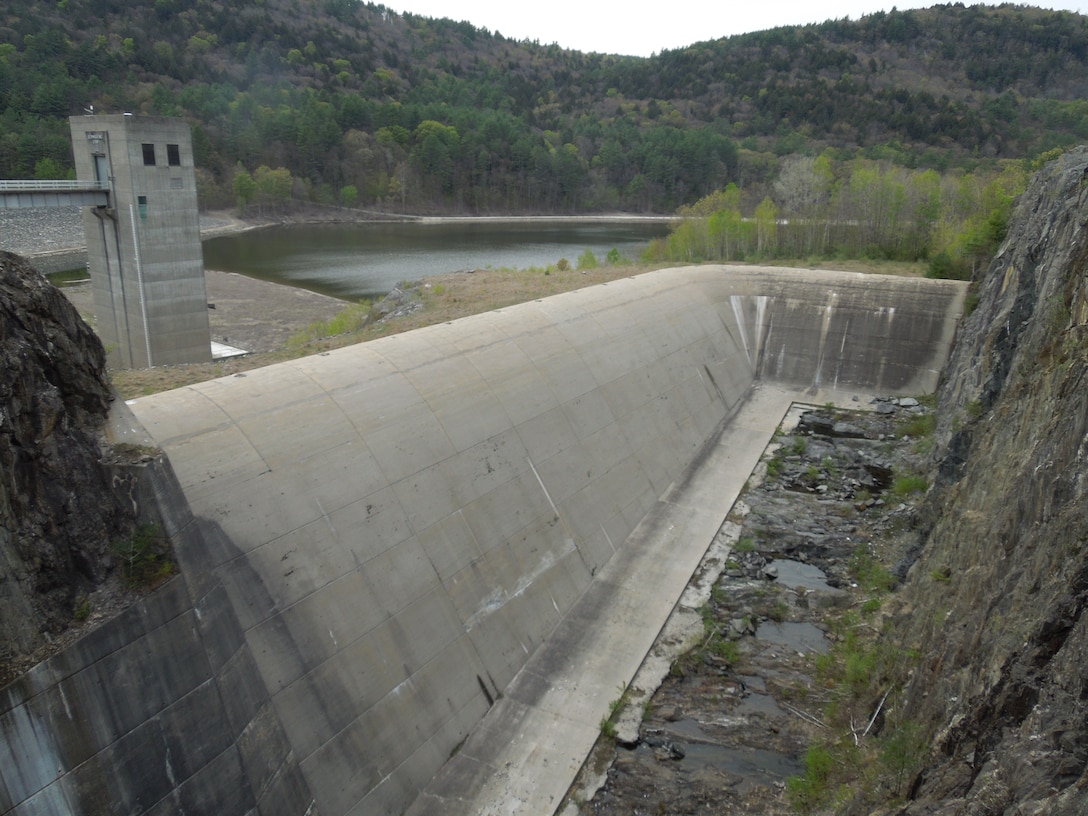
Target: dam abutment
(397, 529)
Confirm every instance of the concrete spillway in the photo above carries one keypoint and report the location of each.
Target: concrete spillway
(415, 537)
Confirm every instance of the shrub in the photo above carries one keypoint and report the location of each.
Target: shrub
(808, 792)
(143, 557)
(587, 260)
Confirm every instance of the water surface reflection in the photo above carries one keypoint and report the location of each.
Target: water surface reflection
(353, 261)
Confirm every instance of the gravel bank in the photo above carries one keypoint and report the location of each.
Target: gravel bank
(39, 230)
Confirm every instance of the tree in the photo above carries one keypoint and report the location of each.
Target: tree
(244, 187)
(49, 168)
(766, 227)
(349, 194)
(273, 186)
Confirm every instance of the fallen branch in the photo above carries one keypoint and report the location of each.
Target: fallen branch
(872, 720)
(803, 715)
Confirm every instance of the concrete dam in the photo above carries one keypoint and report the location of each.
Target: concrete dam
(415, 571)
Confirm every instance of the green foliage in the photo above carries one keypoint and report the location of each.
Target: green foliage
(726, 649)
(799, 445)
(902, 751)
(439, 115)
(778, 612)
(613, 257)
(142, 557)
(813, 790)
(83, 608)
(244, 187)
(348, 320)
(746, 544)
(608, 728)
(608, 722)
(587, 260)
(918, 425)
(870, 574)
(907, 484)
(859, 209)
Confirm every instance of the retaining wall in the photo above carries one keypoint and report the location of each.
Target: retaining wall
(160, 711)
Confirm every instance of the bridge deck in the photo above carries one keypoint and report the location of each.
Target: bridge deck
(22, 194)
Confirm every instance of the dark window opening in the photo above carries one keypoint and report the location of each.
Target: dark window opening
(141, 205)
(149, 155)
(173, 155)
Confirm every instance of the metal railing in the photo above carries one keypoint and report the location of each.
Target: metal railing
(62, 185)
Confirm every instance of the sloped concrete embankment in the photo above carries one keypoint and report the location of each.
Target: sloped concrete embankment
(162, 710)
(399, 526)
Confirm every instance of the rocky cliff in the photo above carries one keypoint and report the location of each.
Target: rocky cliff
(59, 513)
(995, 603)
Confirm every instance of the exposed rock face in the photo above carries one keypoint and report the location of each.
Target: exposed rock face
(996, 602)
(58, 512)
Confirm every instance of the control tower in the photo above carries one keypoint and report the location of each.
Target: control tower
(143, 245)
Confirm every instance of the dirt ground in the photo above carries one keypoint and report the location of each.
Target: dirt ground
(244, 312)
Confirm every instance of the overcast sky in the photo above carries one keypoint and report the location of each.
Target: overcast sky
(641, 28)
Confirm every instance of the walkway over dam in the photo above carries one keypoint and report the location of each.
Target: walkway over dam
(415, 571)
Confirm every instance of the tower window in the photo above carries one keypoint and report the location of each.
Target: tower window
(173, 155)
(149, 154)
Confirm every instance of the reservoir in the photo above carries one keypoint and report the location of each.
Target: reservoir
(353, 261)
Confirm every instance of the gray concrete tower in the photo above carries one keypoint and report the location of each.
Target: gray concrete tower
(143, 249)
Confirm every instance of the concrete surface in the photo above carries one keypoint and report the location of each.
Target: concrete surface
(452, 547)
(143, 250)
(160, 711)
(525, 753)
(424, 512)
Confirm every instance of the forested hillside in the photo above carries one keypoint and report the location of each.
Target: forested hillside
(343, 102)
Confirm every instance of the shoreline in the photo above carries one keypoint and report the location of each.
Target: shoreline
(62, 230)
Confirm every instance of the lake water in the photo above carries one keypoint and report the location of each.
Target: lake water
(353, 261)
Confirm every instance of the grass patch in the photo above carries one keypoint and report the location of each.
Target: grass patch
(918, 425)
(908, 484)
(870, 574)
(348, 320)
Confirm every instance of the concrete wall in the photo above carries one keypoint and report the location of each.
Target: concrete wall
(422, 510)
(144, 251)
(399, 525)
(160, 711)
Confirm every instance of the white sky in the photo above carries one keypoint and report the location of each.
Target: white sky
(641, 27)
